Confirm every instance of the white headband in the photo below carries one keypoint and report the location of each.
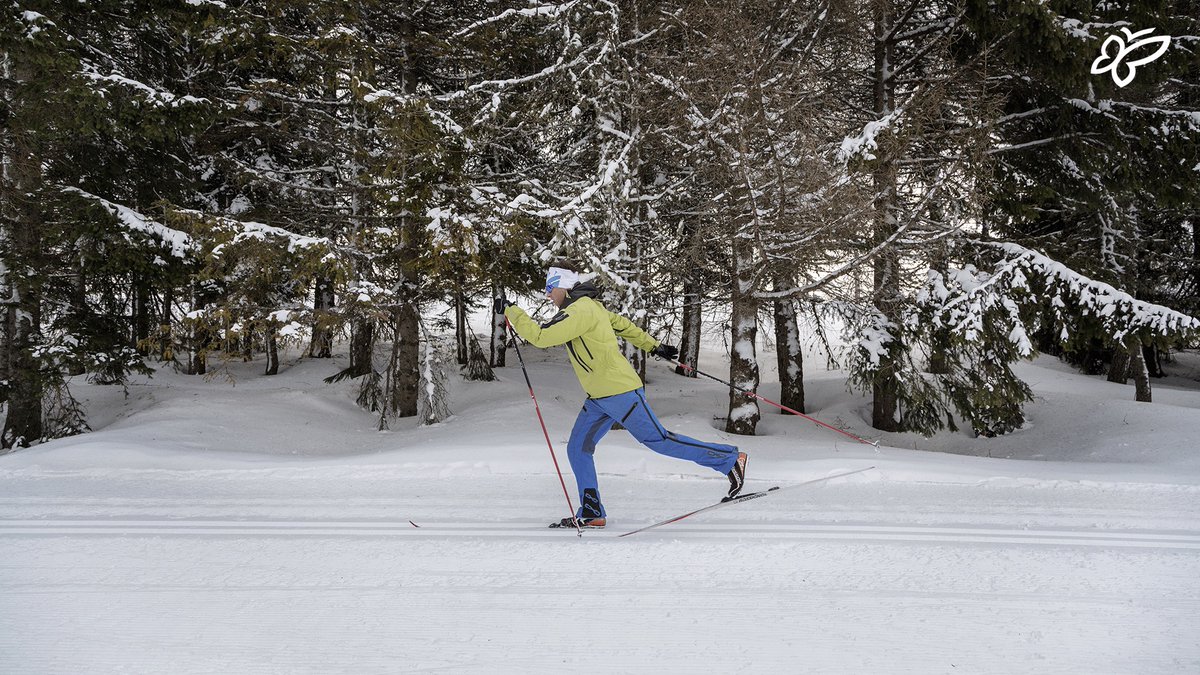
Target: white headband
(557, 277)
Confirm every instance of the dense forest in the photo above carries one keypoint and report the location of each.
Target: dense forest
(943, 186)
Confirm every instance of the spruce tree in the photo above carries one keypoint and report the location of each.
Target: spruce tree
(1098, 175)
(96, 120)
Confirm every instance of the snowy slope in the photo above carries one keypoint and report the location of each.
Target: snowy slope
(267, 527)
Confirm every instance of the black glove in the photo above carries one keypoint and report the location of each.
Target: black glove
(665, 351)
(500, 304)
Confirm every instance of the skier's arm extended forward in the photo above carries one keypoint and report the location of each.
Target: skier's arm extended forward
(627, 330)
(563, 328)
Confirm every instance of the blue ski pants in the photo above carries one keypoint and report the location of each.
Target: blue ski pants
(632, 411)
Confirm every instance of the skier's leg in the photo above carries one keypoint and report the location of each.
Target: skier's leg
(632, 411)
(590, 426)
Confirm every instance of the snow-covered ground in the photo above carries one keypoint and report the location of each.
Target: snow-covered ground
(266, 527)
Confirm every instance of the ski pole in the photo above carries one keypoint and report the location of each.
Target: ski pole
(543, 423)
(752, 394)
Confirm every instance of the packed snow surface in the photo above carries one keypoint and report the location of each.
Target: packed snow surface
(265, 526)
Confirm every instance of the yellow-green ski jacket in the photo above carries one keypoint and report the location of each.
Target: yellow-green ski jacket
(590, 332)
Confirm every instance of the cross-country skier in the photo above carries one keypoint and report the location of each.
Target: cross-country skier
(614, 390)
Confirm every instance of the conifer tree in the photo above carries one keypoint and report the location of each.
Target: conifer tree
(1101, 176)
(96, 116)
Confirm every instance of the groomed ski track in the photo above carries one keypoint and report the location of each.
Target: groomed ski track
(843, 532)
(322, 572)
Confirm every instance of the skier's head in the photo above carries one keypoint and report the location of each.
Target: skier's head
(560, 279)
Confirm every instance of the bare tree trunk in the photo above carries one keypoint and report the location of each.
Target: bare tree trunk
(885, 390)
(1153, 361)
(499, 339)
(199, 362)
(362, 328)
(198, 338)
(939, 348)
(404, 369)
(272, 352)
(406, 373)
(362, 346)
(79, 307)
(321, 346)
(886, 296)
(693, 296)
(788, 353)
(461, 350)
(1118, 370)
(141, 312)
(1190, 98)
(640, 178)
(23, 424)
(1137, 367)
(7, 358)
(743, 360)
(20, 232)
(10, 215)
(689, 345)
(166, 323)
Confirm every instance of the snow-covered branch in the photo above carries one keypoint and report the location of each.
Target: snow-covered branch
(158, 97)
(245, 230)
(1120, 312)
(864, 142)
(538, 11)
(180, 243)
(1072, 296)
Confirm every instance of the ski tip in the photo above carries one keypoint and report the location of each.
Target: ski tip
(773, 489)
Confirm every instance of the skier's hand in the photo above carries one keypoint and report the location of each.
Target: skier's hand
(665, 351)
(501, 304)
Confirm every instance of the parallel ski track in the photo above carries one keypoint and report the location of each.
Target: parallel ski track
(791, 531)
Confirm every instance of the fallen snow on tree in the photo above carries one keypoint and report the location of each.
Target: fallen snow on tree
(179, 242)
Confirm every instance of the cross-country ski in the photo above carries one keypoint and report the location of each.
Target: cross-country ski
(743, 498)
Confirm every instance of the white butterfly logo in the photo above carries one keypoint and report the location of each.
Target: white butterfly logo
(1123, 50)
